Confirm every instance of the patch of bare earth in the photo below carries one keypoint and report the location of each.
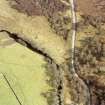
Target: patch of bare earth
(91, 7)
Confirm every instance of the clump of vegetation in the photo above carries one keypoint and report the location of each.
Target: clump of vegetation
(54, 81)
(61, 24)
(54, 10)
(91, 51)
(90, 65)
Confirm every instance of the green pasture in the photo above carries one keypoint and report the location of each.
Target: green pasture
(25, 74)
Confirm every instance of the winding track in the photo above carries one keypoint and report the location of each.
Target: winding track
(74, 21)
(72, 70)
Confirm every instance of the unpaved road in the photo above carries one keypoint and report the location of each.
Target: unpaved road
(72, 70)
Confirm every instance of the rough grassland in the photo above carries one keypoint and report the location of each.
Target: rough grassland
(35, 30)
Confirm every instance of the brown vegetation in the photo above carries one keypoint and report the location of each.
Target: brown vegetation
(90, 65)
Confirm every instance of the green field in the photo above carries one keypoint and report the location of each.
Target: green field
(25, 73)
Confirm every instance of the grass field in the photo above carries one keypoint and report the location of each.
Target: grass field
(26, 74)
